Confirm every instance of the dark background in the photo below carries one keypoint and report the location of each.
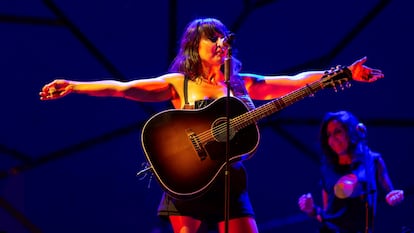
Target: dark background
(69, 165)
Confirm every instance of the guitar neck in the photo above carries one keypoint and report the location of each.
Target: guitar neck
(276, 105)
(187, 161)
(336, 76)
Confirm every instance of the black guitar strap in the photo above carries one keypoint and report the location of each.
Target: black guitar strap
(186, 103)
(239, 90)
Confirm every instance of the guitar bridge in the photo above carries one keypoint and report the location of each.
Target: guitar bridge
(196, 144)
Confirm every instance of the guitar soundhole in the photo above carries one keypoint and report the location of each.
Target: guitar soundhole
(219, 130)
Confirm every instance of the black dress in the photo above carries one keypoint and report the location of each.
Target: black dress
(210, 206)
(354, 213)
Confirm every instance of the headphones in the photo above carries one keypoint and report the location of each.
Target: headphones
(361, 130)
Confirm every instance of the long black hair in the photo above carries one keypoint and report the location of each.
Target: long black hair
(356, 133)
(188, 60)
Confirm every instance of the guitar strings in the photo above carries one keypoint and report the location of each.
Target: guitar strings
(270, 107)
(257, 113)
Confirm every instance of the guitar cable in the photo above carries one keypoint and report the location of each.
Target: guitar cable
(144, 172)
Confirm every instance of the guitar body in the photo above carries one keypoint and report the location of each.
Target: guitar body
(187, 148)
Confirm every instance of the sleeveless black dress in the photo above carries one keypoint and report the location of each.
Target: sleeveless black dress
(209, 207)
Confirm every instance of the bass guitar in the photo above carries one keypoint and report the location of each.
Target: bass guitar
(186, 148)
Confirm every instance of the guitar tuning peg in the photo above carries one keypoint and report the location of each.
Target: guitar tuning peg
(348, 84)
(341, 85)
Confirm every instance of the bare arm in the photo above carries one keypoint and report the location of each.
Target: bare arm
(146, 90)
(393, 196)
(270, 87)
(382, 175)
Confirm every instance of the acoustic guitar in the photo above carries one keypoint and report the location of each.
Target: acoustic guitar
(186, 149)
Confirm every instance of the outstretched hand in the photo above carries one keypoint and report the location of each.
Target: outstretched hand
(362, 73)
(56, 89)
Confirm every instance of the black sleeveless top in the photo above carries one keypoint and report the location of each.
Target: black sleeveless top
(349, 214)
(209, 207)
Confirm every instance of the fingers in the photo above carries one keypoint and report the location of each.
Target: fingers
(47, 91)
(372, 75)
(305, 203)
(56, 89)
(362, 60)
(395, 197)
(301, 201)
(304, 197)
(365, 74)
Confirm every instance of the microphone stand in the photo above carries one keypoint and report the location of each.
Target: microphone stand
(369, 191)
(228, 73)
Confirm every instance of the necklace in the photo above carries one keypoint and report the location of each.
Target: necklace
(211, 81)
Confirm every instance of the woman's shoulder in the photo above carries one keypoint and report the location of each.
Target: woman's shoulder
(375, 155)
(175, 80)
(250, 76)
(172, 77)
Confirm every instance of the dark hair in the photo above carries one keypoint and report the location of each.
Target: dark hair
(187, 60)
(351, 125)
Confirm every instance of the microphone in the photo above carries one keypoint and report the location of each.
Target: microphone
(229, 39)
(226, 41)
(228, 69)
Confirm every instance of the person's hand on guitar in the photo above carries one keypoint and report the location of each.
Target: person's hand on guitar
(56, 89)
(362, 73)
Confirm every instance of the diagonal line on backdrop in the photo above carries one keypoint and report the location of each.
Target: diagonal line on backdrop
(378, 122)
(271, 225)
(293, 140)
(31, 227)
(91, 48)
(275, 125)
(14, 153)
(326, 59)
(30, 20)
(248, 7)
(61, 153)
(82, 38)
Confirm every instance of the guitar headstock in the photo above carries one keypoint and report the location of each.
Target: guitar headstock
(339, 76)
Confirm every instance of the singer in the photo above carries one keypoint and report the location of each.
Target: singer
(349, 175)
(195, 81)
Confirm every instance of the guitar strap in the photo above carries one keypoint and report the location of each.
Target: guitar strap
(239, 90)
(186, 103)
(237, 87)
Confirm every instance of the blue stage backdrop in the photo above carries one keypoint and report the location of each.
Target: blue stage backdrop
(69, 165)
